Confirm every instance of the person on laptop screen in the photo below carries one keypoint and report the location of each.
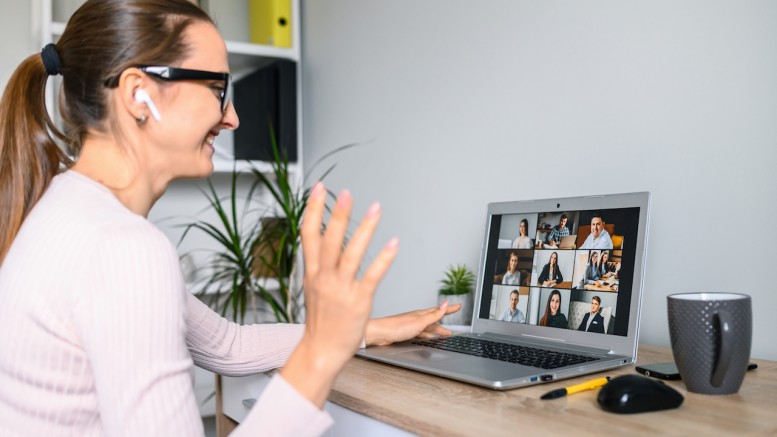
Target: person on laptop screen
(592, 271)
(553, 315)
(513, 314)
(599, 238)
(558, 231)
(523, 241)
(606, 269)
(593, 321)
(512, 276)
(550, 275)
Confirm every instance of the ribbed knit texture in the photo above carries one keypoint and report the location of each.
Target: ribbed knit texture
(99, 335)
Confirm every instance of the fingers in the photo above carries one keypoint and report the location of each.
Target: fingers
(332, 242)
(437, 329)
(310, 231)
(433, 316)
(378, 268)
(452, 309)
(352, 257)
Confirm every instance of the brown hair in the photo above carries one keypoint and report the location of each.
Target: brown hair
(101, 39)
(544, 319)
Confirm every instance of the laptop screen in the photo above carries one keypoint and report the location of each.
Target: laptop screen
(562, 270)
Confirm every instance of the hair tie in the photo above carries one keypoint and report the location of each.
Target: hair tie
(51, 60)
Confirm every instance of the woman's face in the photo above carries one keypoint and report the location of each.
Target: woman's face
(553, 258)
(513, 263)
(522, 229)
(594, 257)
(181, 143)
(555, 302)
(604, 257)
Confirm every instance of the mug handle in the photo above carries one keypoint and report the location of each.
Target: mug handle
(724, 357)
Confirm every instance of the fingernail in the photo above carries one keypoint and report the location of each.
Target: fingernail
(444, 306)
(374, 210)
(393, 243)
(318, 188)
(344, 198)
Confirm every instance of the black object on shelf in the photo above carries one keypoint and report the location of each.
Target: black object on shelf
(268, 95)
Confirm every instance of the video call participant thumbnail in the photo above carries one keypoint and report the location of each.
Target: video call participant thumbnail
(558, 231)
(593, 321)
(512, 313)
(599, 238)
(553, 316)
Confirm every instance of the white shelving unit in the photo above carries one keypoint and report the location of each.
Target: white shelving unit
(243, 57)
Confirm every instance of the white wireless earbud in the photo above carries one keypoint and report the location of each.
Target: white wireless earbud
(141, 96)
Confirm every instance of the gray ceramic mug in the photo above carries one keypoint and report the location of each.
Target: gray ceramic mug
(711, 335)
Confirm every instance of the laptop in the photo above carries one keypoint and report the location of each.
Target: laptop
(523, 335)
(567, 242)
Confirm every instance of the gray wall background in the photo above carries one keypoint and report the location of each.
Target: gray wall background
(467, 103)
(474, 102)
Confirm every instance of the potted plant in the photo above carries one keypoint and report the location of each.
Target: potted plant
(257, 257)
(457, 287)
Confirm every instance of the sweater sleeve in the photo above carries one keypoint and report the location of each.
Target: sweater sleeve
(230, 349)
(130, 318)
(282, 411)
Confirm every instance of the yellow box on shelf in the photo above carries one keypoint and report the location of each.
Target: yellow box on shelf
(270, 22)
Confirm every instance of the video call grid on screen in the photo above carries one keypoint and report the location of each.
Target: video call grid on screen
(550, 260)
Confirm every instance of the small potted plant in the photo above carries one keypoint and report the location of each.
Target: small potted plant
(457, 287)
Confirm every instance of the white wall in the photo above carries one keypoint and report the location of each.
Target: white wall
(474, 102)
(17, 36)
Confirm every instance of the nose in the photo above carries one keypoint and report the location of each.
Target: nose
(230, 120)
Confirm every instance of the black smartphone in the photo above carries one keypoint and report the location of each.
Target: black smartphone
(668, 371)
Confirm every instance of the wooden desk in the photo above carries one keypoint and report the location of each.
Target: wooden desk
(564, 285)
(604, 288)
(428, 405)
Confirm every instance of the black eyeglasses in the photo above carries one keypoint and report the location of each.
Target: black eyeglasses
(172, 74)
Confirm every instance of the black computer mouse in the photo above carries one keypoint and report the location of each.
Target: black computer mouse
(630, 394)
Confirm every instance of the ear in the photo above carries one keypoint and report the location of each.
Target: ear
(130, 81)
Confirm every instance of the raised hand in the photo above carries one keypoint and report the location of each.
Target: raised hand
(338, 304)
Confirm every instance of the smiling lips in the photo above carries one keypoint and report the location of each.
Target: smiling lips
(211, 138)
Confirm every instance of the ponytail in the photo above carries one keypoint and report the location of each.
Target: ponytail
(29, 156)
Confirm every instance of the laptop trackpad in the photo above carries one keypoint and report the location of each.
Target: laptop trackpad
(422, 355)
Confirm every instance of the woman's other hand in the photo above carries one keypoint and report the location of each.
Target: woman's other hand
(414, 324)
(338, 304)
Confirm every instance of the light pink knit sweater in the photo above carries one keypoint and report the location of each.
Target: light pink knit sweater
(99, 335)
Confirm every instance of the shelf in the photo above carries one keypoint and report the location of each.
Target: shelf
(223, 165)
(224, 162)
(241, 54)
(244, 54)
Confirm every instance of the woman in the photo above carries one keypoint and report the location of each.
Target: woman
(512, 276)
(553, 317)
(550, 275)
(523, 241)
(605, 271)
(591, 275)
(93, 309)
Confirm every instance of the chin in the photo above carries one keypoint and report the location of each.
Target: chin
(207, 170)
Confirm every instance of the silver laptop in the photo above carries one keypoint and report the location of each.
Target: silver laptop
(563, 321)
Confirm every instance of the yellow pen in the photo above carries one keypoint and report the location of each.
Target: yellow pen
(588, 385)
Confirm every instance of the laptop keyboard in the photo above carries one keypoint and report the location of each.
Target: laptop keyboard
(528, 356)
